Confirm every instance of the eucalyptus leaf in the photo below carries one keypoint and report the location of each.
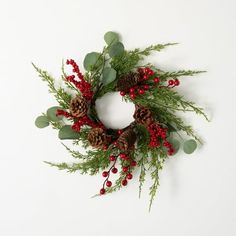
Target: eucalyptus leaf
(108, 75)
(42, 122)
(66, 132)
(92, 60)
(116, 49)
(175, 143)
(51, 114)
(189, 146)
(111, 37)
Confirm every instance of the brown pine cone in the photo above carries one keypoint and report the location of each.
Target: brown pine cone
(78, 106)
(97, 137)
(143, 115)
(126, 139)
(128, 81)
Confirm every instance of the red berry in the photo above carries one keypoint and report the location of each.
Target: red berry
(132, 90)
(104, 173)
(120, 131)
(156, 80)
(124, 156)
(133, 163)
(141, 91)
(146, 87)
(176, 82)
(122, 93)
(124, 182)
(105, 147)
(115, 143)
(102, 191)
(147, 69)
(166, 144)
(132, 95)
(171, 82)
(112, 158)
(129, 176)
(114, 170)
(108, 183)
(145, 77)
(150, 72)
(125, 168)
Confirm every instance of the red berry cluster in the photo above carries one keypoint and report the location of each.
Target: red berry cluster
(106, 174)
(173, 82)
(145, 74)
(82, 85)
(85, 120)
(158, 136)
(126, 169)
(63, 113)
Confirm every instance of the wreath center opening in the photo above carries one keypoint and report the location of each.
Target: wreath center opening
(114, 112)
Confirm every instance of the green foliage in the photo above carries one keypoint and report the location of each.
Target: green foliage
(51, 114)
(116, 49)
(109, 75)
(126, 62)
(92, 61)
(94, 161)
(157, 47)
(111, 37)
(60, 94)
(189, 146)
(175, 143)
(42, 122)
(66, 132)
(75, 154)
(143, 136)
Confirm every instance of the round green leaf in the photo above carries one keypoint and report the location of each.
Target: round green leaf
(111, 37)
(190, 146)
(66, 132)
(108, 75)
(42, 122)
(116, 49)
(51, 114)
(92, 60)
(176, 144)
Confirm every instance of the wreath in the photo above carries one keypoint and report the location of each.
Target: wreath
(143, 146)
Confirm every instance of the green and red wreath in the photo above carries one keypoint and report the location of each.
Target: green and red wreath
(156, 133)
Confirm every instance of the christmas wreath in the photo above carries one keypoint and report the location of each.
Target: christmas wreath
(156, 132)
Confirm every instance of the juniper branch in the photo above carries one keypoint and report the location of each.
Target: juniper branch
(157, 47)
(61, 96)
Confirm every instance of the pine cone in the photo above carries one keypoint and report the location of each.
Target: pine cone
(78, 106)
(143, 115)
(97, 137)
(126, 139)
(128, 81)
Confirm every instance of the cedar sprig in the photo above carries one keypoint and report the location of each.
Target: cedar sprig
(60, 94)
(95, 161)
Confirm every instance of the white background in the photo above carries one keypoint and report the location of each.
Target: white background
(197, 192)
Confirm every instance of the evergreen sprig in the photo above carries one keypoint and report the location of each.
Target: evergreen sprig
(60, 94)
